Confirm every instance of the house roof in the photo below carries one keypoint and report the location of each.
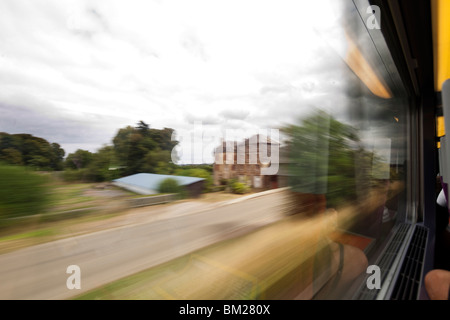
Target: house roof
(254, 140)
(148, 183)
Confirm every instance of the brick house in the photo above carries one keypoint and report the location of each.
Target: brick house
(242, 161)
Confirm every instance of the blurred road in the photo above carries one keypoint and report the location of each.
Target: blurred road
(39, 272)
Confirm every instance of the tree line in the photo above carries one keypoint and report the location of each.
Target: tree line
(28, 150)
(134, 149)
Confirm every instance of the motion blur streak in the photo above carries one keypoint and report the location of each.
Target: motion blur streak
(274, 262)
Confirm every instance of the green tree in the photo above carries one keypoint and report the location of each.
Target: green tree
(6, 141)
(142, 149)
(100, 167)
(163, 138)
(57, 159)
(322, 153)
(34, 149)
(164, 168)
(158, 161)
(11, 156)
(38, 162)
(78, 160)
(131, 147)
(95, 167)
(31, 151)
(143, 128)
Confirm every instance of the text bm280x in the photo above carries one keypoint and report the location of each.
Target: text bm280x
(227, 309)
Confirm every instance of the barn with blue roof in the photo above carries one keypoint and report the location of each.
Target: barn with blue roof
(148, 183)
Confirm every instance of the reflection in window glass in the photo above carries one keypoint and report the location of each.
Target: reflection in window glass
(342, 155)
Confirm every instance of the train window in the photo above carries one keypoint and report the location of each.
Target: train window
(348, 155)
(304, 130)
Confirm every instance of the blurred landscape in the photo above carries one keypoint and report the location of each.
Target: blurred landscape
(136, 142)
(77, 208)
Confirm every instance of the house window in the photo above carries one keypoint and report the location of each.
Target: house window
(257, 182)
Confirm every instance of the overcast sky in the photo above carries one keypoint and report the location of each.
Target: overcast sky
(74, 72)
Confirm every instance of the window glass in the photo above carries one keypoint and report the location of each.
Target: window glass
(273, 164)
(322, 138)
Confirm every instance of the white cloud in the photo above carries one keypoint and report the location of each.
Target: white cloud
(104, 64)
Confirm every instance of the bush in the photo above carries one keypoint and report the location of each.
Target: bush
(22, 192)
(169, 185)
(239, 188)
(199, 173)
